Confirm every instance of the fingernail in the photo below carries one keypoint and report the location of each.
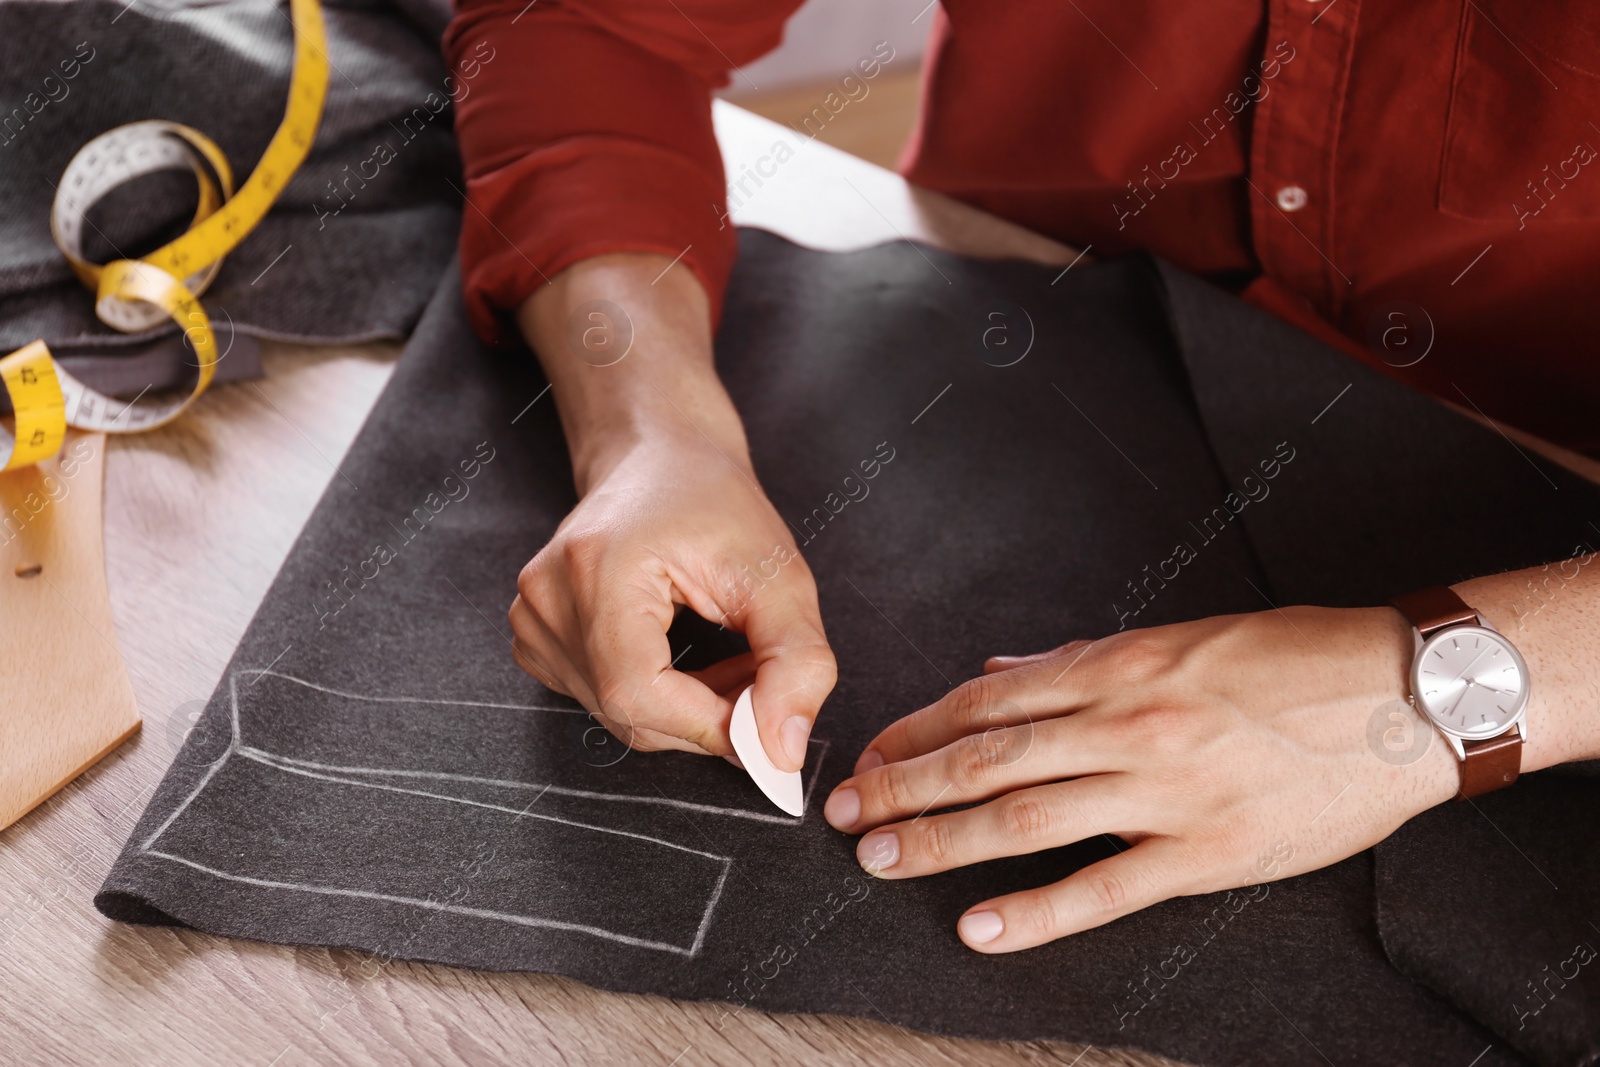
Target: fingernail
(878, 852)
(842, 809)
(870, 761)
(980, 927)
(793, 734)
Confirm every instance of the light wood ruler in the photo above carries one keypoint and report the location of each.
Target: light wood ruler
(65, 697)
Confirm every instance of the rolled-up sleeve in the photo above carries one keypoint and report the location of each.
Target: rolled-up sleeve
(585, 128)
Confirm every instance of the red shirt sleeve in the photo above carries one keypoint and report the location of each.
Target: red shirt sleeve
(585, 128)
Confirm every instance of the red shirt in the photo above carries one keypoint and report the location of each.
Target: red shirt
(1404, 179)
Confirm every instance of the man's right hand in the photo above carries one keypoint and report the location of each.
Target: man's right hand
(670, 515)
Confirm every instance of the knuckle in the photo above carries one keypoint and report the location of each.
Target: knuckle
(581, 551)
(935, 842)
(528, 579)
(1107, 892)
(970, 702)
(819, 669)
(1073, 648)
(972, 760)
(536, 581)
(1026, 818)
(1036, 918)
(1164, 727)
(893, 787)
(1138, 657)
(827, 670)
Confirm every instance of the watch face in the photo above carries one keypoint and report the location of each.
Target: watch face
(1470, 681)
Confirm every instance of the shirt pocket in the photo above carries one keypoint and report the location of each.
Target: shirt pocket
(1522, 140)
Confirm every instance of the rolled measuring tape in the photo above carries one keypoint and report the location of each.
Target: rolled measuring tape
(137, 294)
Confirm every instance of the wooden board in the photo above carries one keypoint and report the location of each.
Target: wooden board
(66, 700)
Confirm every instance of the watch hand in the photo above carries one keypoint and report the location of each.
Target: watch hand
(1470, 664)
(1470, 683)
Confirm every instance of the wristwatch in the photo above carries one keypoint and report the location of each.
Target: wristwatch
(1471, 683)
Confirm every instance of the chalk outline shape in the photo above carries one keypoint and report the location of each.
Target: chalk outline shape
(236, 746)
(252, 752)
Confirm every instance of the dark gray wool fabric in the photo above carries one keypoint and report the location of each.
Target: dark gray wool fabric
(353, 248)
(375, 772)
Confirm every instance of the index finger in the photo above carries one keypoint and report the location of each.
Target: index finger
(997, 701)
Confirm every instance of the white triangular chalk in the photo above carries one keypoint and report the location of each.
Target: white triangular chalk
(783, 788)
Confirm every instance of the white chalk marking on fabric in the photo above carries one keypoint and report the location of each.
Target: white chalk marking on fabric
(435, 905)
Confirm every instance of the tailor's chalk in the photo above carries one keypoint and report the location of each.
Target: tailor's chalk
(783, 788)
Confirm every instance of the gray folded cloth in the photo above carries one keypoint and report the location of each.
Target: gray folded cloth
(354, 246)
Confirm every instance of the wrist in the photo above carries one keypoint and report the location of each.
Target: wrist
(1561, 725)
(663, 431)
(1551, 730)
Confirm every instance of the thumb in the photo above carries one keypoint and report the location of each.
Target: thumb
(795, 668)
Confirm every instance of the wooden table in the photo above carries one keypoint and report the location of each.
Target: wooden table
(198, 518)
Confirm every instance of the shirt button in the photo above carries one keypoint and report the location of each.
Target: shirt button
(1291, 198)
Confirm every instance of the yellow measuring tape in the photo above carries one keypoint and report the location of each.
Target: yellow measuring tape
(133, 295)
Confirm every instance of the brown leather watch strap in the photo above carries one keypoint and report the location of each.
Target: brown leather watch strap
(1432, 609)
(1489, 764)
(1492, 764)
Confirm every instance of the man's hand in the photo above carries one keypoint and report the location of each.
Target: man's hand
(670, 515)
(670, 525)
(1225, 752)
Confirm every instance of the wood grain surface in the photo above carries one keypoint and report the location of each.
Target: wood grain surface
(198, 518)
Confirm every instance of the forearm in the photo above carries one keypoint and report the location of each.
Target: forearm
(625, 340)
(1552, 614)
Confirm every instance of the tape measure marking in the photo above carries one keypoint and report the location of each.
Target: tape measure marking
(30, 377)
(136, 295)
